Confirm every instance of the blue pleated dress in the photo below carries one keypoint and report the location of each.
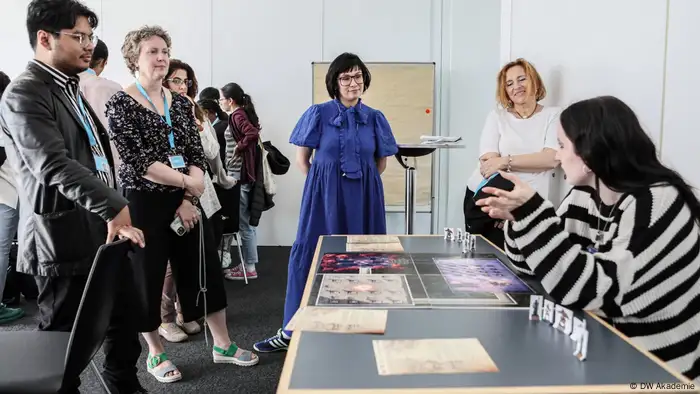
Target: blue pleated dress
(343, 192)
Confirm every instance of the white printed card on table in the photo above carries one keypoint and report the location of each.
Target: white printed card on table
(548, 311)
(536, 307)
(563, 319)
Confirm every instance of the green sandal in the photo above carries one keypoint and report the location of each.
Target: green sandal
(245, 359)
(161, 373)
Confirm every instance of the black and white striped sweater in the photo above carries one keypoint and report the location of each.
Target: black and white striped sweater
(645, 276)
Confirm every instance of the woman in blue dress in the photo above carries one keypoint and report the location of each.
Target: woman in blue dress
(343, 192)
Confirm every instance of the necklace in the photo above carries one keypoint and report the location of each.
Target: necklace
(526, 116)
(600, 232)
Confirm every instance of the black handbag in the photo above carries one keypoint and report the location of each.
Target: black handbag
(476, 220)
(279, 164)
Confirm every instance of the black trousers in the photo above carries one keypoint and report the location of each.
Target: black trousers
(217, 225)
(59, 298)
(478, 222)
(153, 212)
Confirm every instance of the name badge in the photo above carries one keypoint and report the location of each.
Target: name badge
(177, 161)
(101, 163)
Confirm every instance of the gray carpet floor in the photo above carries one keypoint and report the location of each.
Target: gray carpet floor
(254, 312)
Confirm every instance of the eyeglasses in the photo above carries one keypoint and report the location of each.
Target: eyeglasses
(82, 38)
(345, 79)
(178, 82)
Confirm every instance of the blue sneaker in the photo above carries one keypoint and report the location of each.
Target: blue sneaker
(273, 344)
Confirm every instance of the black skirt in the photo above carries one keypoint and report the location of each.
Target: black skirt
(153, 212)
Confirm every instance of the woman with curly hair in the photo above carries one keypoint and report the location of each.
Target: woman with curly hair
(162, 174)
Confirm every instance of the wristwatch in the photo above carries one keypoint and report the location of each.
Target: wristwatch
(192, 199)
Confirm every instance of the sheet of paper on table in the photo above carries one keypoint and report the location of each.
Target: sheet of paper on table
(379, 247)
(338, 320)
(372, 239)
(431, 356)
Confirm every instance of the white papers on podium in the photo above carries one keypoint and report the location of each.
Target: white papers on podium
(438, 139)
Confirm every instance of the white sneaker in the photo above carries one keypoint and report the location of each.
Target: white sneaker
(225, 259)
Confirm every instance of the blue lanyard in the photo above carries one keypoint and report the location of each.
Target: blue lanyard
(86, 122)
(216, 121)
(91, 71)
(171, 137)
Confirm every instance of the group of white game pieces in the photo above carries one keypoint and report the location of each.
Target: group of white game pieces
(562, 319)
(467, 240)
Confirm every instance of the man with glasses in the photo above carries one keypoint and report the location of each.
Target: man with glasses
(66, 182)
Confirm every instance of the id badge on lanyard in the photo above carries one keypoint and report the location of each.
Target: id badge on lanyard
(101, 162)
(176, 161)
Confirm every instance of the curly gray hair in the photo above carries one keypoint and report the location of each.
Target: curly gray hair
(131, 48)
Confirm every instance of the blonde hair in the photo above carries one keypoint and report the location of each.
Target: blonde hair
(533, 78)
(131, 49)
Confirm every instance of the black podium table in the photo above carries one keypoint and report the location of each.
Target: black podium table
(413, 151)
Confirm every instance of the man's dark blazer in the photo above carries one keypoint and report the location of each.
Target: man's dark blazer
(63, 204)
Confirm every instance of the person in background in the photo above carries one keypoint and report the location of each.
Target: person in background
(518, 137)
(218, 119)
(209, 93)
(206, 110)
(624, 243)
(64, 170)
(9, 219)
(343, 192)
(180, 79)
(243, 133)
(162, 173)
(97, 89)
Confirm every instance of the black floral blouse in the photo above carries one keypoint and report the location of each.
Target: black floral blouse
(141, 138)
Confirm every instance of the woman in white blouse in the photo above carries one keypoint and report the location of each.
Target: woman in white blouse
(520, 137)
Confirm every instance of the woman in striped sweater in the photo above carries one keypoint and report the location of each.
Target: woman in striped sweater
(625, 242)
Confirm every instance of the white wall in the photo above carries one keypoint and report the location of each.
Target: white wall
(269, 55)
(681, 135)
(471, 36)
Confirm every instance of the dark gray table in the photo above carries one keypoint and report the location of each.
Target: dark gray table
(532, 357)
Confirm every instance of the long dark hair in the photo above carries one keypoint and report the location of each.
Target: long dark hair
(607, 135)
(212, 106)
(234, 92)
